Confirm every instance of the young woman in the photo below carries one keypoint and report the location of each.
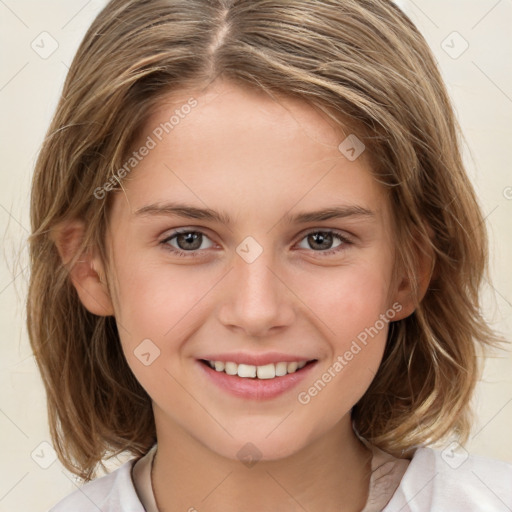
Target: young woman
(255, 264)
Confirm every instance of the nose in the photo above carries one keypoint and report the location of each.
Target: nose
(256, 299)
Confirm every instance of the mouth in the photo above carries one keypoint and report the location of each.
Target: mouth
(255, 382)
(262, 372)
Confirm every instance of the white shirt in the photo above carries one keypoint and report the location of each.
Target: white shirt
(428, 483)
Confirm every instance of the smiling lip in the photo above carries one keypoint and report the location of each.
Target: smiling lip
(253, 388)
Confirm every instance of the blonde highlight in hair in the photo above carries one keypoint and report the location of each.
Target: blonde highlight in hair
(362, 63)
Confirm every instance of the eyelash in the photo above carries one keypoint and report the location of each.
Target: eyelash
(186, 254)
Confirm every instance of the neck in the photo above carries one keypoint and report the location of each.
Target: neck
(331, 474)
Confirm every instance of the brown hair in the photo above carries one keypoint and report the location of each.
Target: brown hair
(361, 62)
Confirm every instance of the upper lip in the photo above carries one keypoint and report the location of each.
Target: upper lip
(256, 359)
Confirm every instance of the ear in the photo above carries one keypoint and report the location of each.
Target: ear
(87, 274)
(424, 267)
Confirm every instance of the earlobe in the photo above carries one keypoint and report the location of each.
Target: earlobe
(87, 273)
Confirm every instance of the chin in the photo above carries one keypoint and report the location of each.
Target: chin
(255, 446)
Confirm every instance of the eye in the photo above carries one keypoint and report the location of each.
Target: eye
(185, 242)
(322, 241)
(188, 242)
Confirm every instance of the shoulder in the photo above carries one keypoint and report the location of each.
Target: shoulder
(453, 480)
(110, 493)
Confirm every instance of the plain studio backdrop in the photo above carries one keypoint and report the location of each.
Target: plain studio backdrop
(473, 45)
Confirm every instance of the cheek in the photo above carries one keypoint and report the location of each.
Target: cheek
(158, 309)
(354, 317)
(349, 302)
(155, 299)
(354, 314)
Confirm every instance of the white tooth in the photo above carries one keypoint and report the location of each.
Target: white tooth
(281, 369)
(301, 365)
(246, 370)
(292, 367)
(267, 371)
(231, 368)
(219, 365)
(212, 364)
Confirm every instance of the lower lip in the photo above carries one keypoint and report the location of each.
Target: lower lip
(256, 389)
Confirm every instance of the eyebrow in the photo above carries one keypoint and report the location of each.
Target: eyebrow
(191, 212)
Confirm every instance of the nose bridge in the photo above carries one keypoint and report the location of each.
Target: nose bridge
(256, 300)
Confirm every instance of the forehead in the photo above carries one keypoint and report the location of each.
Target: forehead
(232, 100)
(232, 145)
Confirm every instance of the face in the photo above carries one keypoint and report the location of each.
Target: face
(218, 254)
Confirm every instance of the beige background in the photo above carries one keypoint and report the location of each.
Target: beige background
(480, 82)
